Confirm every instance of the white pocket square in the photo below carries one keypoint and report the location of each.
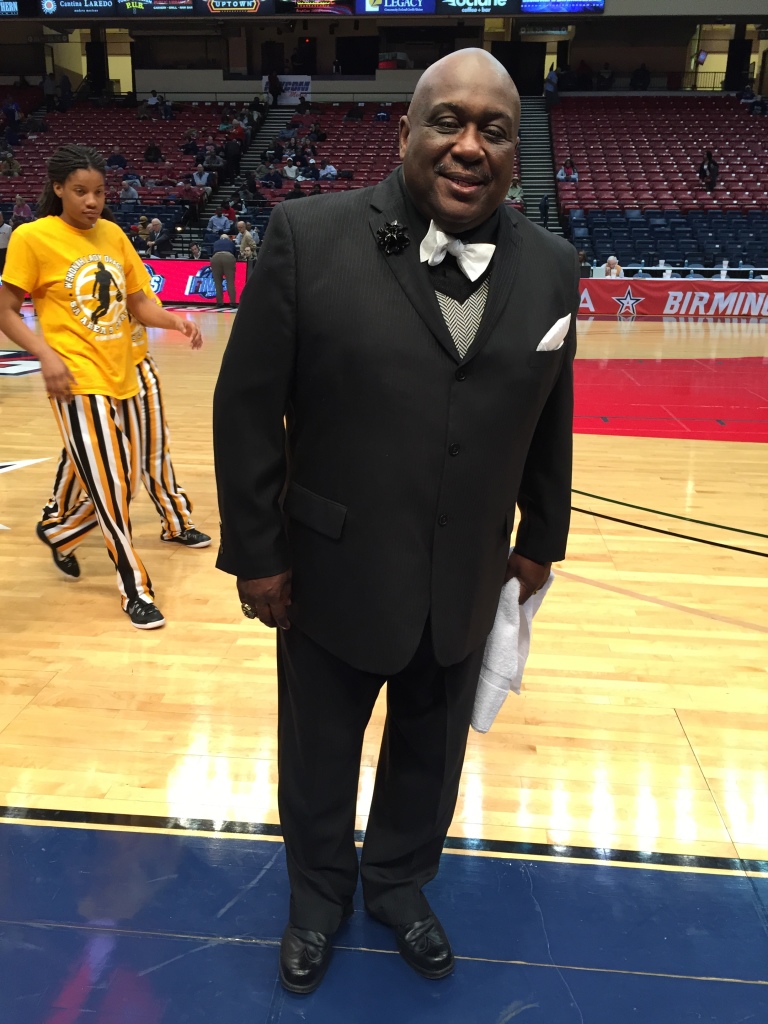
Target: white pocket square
(555, 336)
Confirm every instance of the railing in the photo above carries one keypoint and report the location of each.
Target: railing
(664, 81)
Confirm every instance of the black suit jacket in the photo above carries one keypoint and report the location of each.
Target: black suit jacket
(391, 486)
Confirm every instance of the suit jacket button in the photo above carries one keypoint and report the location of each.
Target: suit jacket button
(460, 374)
(454, 449)
(443, 520)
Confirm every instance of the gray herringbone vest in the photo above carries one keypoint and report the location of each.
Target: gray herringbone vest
(463, 318)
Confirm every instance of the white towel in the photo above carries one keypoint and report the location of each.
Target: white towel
(506, 652)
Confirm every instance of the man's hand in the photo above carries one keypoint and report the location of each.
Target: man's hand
(269, 597)
(57, 376)
(532, 575)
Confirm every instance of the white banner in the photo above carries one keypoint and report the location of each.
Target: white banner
(294, 86)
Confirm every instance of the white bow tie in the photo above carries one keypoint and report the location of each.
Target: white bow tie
(473, 258)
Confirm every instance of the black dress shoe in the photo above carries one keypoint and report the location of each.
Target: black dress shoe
(304, 959)
(425, 947)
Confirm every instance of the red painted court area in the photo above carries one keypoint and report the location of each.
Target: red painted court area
(702, 399)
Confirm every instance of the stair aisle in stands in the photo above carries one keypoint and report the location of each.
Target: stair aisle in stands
(537, 170)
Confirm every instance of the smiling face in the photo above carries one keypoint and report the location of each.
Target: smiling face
(82, 198)
(459, 138)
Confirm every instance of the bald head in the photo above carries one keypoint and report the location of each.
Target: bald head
(474, 65)
(459, 138)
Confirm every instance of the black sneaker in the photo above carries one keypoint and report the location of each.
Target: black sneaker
(143, 615)
(191, 538)
(66, 564)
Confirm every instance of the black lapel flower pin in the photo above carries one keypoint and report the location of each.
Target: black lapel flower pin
(393, 238)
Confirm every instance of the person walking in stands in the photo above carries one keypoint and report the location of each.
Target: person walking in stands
(275, 87)
(708, 171)
(223, 261)
(88, 367)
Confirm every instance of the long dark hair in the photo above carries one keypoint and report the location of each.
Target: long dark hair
(65, 161)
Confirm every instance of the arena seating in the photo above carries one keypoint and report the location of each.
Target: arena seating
(644, 152)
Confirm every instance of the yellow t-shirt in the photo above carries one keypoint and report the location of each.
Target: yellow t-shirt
(79, 281)
(139, 338)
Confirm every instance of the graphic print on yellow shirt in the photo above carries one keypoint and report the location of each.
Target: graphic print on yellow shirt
(79, 282)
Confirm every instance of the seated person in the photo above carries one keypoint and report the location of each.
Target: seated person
(258, 173)
(302, 107)
(218, 222)
(137, 241)
(200, 179)
(152, 154)
(128, 193)
(273, 177)
(327, 171)
(290, 170)
(708, 171)
(22, 211)
(144, 228)
(316, 133)
(229, 212)
(316, 190)
(10, 166)
(310, 172)
(133, 177)
(515, 191)
(612, 268)
(585, 267)
(116, 159)
(568, 172)
(195, 252)
(381, 115)
(296, 192)
(160, 241)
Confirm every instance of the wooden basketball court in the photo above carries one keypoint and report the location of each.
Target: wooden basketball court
(643, 724)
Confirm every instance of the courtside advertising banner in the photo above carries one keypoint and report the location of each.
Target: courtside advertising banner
(630, 296)
(189, 281)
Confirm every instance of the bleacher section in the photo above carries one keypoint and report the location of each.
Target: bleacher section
(644, 152)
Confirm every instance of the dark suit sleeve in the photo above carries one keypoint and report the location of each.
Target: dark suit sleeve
(544, 498)
(249, 405)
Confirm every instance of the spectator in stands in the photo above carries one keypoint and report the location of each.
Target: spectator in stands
(233, 153)
(200, 179)
(748, 98)
(605, 77)
(257, 174)
(640, 78)
(128, 193)
(195, 252)
(190, 146)
(381, 115)
(311, 172)
(10, 166)
(316, 133)
(585, 267)
(65, 93)
(245, 241)
(290, 170)
(708, 171)
(218, 222)
(144, 228)
(152, 154)
(303, 107)
(515, 193)
(116, 159)
(296, 192)
(273, 177)
(22, 210)
(138, 242)
(212, 161)
(551, 91)
(160, 241)
(328, 171)
(612, 268)
(316, 189)
(166, 109)
(49, 92)
(153, 101)
(568, 172)
(223, 260)
(274, 87)
(5, 234)
(229, 212)
(288, 133)
(133, 177)
(544, 211)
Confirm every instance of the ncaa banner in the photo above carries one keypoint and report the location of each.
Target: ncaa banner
(294, 87)
(628, 296)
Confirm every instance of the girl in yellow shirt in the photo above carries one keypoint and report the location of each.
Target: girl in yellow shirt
(84, 277)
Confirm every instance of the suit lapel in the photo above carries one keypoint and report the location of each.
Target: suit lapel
(501, 283)
(388, 205)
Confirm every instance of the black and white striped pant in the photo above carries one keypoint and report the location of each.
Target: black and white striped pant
(157, 472)
(102, 438)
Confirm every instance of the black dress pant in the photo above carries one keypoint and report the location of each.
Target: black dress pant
(324, 706)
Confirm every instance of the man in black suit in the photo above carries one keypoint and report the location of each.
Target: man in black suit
(397, 382)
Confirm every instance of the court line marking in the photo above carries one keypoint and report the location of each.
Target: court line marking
(670, 533)
(670, 515)
(612, 588)
(208, 941)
